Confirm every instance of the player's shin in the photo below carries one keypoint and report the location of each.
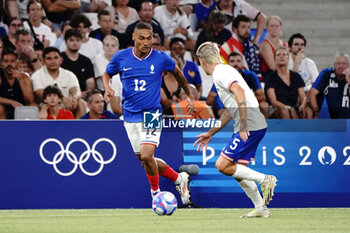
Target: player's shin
(166, 171)
(250, 188)
(154, 181)
(151, 170)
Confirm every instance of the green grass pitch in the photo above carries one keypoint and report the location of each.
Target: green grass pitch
(213, 220)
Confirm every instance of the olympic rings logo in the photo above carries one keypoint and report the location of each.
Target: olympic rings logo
(84, 157)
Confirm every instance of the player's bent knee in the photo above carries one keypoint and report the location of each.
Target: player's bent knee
(146, 156)
(220, 165)
(146, 159)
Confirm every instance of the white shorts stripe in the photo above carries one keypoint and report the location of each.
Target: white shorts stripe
(226, 157)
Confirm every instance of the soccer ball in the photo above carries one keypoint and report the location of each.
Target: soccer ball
(164, 203)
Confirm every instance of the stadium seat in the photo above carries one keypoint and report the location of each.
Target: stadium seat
(26, 113)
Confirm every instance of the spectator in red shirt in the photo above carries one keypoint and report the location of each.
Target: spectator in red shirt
(51, 110)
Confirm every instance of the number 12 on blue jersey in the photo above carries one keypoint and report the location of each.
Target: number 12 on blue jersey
(140, 85)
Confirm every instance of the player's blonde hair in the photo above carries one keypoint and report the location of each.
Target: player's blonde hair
(209, 52)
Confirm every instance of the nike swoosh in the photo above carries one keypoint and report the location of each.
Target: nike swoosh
(227, 152)
(125, 69)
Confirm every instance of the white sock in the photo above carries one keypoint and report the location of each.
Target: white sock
(252, 192)
(178, 180)
(153, 191)
(245, 173)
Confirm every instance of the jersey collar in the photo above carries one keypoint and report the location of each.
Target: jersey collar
(138, 58)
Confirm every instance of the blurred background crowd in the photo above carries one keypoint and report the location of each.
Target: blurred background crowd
(54, 52)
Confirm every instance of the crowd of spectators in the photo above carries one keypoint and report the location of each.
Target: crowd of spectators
(54, 52)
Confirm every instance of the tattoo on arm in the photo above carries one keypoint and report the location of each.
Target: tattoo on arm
(242, 103)
(243, 126)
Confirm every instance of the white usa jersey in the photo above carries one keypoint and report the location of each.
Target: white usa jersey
(224, 77)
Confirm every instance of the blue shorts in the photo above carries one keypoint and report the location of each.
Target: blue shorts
(238, 151)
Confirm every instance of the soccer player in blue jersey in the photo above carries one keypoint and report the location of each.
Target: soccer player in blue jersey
(249, 129)
(140, 69)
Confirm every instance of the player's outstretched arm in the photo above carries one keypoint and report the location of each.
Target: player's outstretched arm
(238, 91)
(109, 93)
(204, 138)
(181, 79)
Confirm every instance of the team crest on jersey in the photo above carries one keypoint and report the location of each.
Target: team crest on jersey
(152, 120)
(152, 69)
(191, 73)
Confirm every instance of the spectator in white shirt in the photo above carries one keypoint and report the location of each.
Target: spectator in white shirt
(110, 47)
(298, 62)
(42, 31)
(53, 75)
(175, 23)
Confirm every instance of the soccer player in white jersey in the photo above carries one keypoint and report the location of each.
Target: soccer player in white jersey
(249, 129)
(140, 69)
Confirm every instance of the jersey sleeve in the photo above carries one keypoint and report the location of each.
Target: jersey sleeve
(269, 81)
(200, 14)
(110, 115)
(37, 81)
(217, 103)
(198, 78)
(300, 81)
(313, 70)
(185, 23)
(255, 80)
(90, 69)
(213, 89)
(228, 76)
(74, 82)
(99, 68)
(113, 66)
(168, 62)
(117, 85)
(321, 81)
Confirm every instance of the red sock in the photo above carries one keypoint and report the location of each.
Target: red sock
(154, 181)
(170, 173)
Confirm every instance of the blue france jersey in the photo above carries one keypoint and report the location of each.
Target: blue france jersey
(141, 80)
(191, 73)
(336, 92)
(251, 79)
